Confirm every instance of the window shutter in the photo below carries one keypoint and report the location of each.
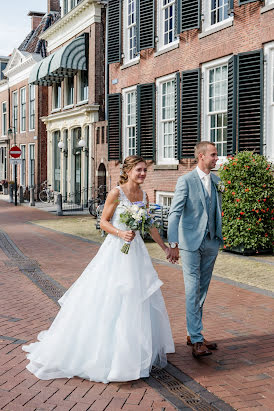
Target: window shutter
(177, 17)
(250, 101)
(231, 6)
(114, 30)
(146, 24)
(231, 105)
(177, 117)
(190, 123)
(190, 14)
(146, 120)
(246, 1)
(114, 126)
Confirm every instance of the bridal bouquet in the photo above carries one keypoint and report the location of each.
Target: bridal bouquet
(137, 218)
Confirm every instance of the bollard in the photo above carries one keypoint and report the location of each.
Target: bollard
(59, 210)
(21, 195)
(10, 193)
(31, 197)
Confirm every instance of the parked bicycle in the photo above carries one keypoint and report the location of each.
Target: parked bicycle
(46, 195)
(96, 204)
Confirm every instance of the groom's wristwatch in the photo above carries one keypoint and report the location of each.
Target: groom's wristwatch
(173, 245)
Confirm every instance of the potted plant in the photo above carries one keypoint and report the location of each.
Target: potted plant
(247, 203)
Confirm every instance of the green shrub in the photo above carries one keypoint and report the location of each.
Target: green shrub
(247, 201)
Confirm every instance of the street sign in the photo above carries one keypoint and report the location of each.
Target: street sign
(16, 161)
(15, 152)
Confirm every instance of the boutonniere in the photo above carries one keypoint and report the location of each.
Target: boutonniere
(220, 187)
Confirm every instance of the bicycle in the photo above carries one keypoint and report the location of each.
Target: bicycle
(46, 195)
(97, 203)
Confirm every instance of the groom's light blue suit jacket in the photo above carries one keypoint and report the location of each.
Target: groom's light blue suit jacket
(188, 217)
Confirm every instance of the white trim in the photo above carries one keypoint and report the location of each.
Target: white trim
(161, 194)
(12, 112)
(159, 142)
(22, 183)
(124, 120)
(127, 59)
(161, 47)
(269, 5)
(21, 117)
(29, 173)
(34, 88)
(169, 47)
(269, 101)
(207, 27)
(205, 100)
(2, 119)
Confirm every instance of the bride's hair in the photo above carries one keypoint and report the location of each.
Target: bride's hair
(129, 163)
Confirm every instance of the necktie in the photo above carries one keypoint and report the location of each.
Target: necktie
(207, 183)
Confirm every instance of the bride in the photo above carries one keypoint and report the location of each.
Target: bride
(113, 324)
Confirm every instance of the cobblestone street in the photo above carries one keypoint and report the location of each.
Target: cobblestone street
(38, 264)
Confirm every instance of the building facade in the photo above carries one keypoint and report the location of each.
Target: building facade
(182, 71)
(73, 73)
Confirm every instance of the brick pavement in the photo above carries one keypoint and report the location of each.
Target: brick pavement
(241, 372)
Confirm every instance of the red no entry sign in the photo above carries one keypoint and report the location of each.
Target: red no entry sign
(15, 152)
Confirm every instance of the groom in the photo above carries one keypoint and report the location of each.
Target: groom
(195, 228)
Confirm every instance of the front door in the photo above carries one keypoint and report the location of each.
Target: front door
(78, 177)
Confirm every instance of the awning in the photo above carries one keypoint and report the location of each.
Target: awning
(65, 62)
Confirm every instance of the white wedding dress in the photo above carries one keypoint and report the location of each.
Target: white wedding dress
(113, 324)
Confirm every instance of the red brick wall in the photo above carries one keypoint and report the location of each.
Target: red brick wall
(53, 5)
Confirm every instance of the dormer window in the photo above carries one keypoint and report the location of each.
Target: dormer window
(68, 5)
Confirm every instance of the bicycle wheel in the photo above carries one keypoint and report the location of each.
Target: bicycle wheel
(43, 196)
(92, 208)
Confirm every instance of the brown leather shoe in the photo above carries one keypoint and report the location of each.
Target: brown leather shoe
(210, 345)
(199, 350)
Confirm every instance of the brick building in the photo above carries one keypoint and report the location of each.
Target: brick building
(22, 105)
(73, 74)
(181, 71)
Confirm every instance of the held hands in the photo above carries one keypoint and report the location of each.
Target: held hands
(127, 236)
(172, 254)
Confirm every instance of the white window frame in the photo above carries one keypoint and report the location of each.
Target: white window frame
(15, 128)
(32, 106)
(126, 30)
(68, 104)
(269, 5)
(54, 91)
(160, 27)
(159, 123)
(160, 195)
(29, 164)
(4, 119)
(23, 105)
(23, 166)
(269, 101)
(79, 88)
(205, 99)
(125, 93)
(207, 27)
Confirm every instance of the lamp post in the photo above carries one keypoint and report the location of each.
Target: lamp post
(12, 131)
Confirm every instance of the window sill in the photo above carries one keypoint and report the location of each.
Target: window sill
(81, 103)
(168, 48)
(266, 8)
(227, 23)
(130, 63)
(31, 129)
(165, 167)
(68, 107)
(56, 110)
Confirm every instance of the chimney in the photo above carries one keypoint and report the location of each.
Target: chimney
(53, 5)
(36, 18)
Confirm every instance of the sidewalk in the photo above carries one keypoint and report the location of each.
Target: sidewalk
(241, 321)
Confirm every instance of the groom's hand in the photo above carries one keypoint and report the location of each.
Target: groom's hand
(173, 255)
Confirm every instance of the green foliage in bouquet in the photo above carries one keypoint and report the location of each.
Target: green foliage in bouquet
(247, 202)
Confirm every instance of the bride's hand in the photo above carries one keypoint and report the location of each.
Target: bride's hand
(127, 235)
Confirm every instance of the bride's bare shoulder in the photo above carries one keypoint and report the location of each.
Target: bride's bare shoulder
(114, 193)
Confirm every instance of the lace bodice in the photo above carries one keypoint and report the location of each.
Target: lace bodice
(123, 201)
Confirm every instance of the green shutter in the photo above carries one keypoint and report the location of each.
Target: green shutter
(145, 18)
(190, 14)
(231, 105)
(177, 17)
(114, 31)
(246, 1)
(177, 117)
(114, 126)
(190, 122)
(250, 101)
(146, 121)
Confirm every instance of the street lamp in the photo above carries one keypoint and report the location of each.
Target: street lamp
(12, 132)
(82, 144)
(61, 145)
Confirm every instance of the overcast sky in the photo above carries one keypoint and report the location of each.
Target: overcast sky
(15, 24)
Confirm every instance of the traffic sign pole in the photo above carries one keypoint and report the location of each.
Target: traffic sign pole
(15, 152)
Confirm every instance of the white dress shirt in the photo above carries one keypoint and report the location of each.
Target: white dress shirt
(206, 180)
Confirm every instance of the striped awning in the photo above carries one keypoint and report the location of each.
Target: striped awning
(65, 62)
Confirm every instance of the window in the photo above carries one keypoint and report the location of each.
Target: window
(69, 91)
(56, 96)
(23, 109)
(4, 118)
(130, 35)
(103, 135)
(130, 122)
(23, 166)
(167, 20)
(57, 160)
(83, 86)
(269, 101)
(31, 165)
(164, 198)
(15, 111)
(219, 11)
(216, 16)
(3, 163)
(32, 107)
(166, 120)
(98, 135)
